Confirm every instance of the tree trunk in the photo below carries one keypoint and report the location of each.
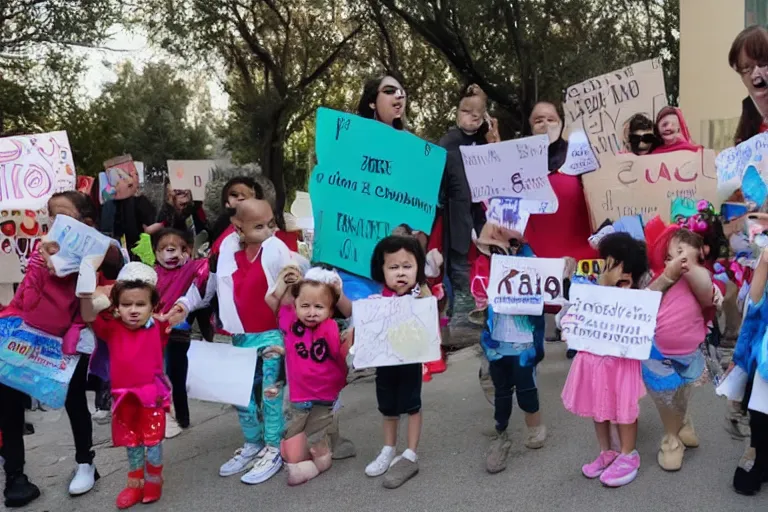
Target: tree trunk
(272, 161)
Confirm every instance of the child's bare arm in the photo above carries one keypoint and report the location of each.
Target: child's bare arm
(757, 288)
(700, 282)
(344, 306)
(280, 295)
(87, 311)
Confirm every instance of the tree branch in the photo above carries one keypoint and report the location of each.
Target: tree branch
(328, 60)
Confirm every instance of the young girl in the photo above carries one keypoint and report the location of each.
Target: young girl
(398, 262)
(676, 362)
(316, 367)
(607, 388)
(140, 389)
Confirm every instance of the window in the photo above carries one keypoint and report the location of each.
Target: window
(755, 12)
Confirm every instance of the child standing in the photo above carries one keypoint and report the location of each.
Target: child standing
(608, 388)
(246, 270)
(140, 389)
(398, 262)
(514, 346)
(316, 367)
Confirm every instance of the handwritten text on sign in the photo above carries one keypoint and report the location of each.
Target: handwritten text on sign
(513, 168)
(369, 179)
(628, 184)
(33, 168)
(609, 321)
(190, 175)
(601, 106)
(732, 162)
(521, 286)
(580, 158)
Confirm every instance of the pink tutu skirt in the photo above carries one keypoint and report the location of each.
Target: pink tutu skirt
(604, 388)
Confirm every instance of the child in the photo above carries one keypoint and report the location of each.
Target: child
(246, 270)
(140, 389)
(316, 367)
(181, 284)
(398, 262)
(676, 362)
(607, 388)
(513, 345)
(48, 303)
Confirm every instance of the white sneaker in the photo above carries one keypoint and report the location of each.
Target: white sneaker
(268, 462)
(238, 463)
(172, 428)
(101, 417)
(382, 463)
(84, 479)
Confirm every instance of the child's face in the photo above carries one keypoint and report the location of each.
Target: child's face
(181, 200)
(135, 307)
(669, 129)
(614, 275)
(255, 223)
(546, 121)
(314, 304)
(471, 113)
(400, 271)
(238, 193)
(63, 206)
(677, 248)
(172, 252)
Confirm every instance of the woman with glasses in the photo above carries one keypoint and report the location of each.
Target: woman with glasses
(749, 58)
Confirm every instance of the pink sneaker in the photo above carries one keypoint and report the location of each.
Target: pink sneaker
(622, 471)
(596, 468)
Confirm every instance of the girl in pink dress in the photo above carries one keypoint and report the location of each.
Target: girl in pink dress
(607, 388)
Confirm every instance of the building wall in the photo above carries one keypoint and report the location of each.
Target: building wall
(710, 91)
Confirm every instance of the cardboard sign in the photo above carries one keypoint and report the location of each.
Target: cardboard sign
(120, 179)
(33, 168)
(191, 175)
(369, 179)
(521, 286)
(21, 232)
(513, 168)
(610, 321)
(506, 212)
(391, 331)
(732, 163)
(32, 362)
(628, 184)
(580, 158)
(602, 106)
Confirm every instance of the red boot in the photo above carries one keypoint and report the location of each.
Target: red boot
(132, 494)
(153, 485)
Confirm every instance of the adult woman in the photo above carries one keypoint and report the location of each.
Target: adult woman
(749, 57)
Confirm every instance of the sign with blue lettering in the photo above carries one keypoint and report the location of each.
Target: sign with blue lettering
(369, 179)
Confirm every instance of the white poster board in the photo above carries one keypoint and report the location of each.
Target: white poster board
(732, 162)
(609, 321)
(513, 168)
(507, 212)
(190, 175)
(391, 331)
(580, 158)
(521, 286)
(222, 373)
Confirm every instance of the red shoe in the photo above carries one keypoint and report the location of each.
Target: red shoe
(426, 376)
(133, 493)
(153, 484)
(438, 366)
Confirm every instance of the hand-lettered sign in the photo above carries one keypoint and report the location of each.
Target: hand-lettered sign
(191, 175)
(506, 212)
(20, 234)
(610, 321)
(33, 168)
(580, 158)
(732, 162)
(521, 286)
(628, 184)
(513, 168)
(369, 179)
(601, 106)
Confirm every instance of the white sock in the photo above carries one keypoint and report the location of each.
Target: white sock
(389, 451)
(410, 455)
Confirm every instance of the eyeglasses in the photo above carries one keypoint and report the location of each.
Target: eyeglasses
(647, 138)
(747, 69)
(391, 90)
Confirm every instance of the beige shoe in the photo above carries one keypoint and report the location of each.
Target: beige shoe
(670, 456)
(688, 435)
(536, 437)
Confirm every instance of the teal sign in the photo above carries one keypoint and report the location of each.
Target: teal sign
(369, 179)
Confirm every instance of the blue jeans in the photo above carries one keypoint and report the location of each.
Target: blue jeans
(509, 377)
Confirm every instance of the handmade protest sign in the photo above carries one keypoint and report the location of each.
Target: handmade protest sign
(369, 179)
(610, 321)
(732, 162)
(33, 168)
(222, 373)
(21, 232)
(391, 331)
(580, 158)
(506, 212)
(521, 286)
(601, 106)
(120, 179)
(628, 184)
(513, 168)
(81, 249)
(32, 362)
(191, 175)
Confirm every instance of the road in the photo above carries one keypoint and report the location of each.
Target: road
(452, 475)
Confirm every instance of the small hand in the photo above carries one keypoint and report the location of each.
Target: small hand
(493, 130)
(47, 249)
(676, 268)
(570, 267)
(348, 336)
(177, 314)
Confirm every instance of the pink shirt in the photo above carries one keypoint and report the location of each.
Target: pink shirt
(315, 367)
(45, 301)
(680, 324)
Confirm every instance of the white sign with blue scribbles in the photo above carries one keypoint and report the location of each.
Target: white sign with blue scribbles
(513, 168)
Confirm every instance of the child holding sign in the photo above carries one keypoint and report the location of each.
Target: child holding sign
(398, 262)
(607, 388)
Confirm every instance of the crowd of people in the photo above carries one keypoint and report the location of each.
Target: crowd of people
(251, 284)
